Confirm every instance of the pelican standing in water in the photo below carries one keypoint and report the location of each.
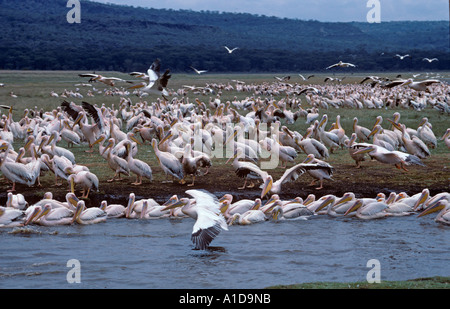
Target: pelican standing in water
(206, 211)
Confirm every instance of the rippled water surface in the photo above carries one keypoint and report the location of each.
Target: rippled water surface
(158, 253)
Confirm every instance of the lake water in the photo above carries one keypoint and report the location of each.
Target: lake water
(158, 254)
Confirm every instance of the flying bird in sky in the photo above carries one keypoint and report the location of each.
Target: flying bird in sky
(231, 50)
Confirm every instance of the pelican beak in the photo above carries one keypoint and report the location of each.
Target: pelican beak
(374, 131)
(73, 199)
(354, 207)
(134, 139)
(406, 83)
(395, 124)
(99, 140)
(72, 185)
(256, 205)
(436, 206)
(267, 186)
(231, 137)
(276, 214)
(32, 216)
(447, 134)
(165, 138)
(364, 150)
(224, 206)
(223, 199)
(130, 205)
(107, 147)
(137, 86)
(421, 200)
(308, 159)
(80, 208)
(322, 122)
(80, 116)
(308, 200)
(325, 203)
(172, 200)
(179, 203)
(343, 200)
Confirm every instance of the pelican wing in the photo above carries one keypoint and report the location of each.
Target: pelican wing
(71, 109)
(59, 213)
(292, 174)
(246, 168)
(95, 113)
(373, 208)
(92, 213)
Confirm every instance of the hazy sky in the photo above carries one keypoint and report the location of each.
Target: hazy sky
(322, 10)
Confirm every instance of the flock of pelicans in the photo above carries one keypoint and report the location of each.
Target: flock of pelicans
(185, 137)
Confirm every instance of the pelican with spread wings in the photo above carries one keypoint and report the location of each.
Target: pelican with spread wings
(157, 83)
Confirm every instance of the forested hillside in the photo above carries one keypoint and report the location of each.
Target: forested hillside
(36, 35)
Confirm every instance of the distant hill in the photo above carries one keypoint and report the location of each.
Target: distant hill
(36, 35)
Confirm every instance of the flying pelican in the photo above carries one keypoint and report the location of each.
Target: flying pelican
(11, 217)
(417, 86)
(206, 211)
(156, 83)
(109, 81)
(441, 205)
(342, 65)
(138, 167)
(401, 57)
(398, 158)
(198, 71)
(90, 215)
(230, 50)
(168, 162)
(430, 60)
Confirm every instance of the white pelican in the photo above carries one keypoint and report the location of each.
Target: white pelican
(381, 139)
(338, 208)
(446, 138)
(87, 180)
(16, 172)
(244, 169)
(354, 147)
(291, 210)
(192, 164)
(312, 146)
(430, 60)
(58, 166)
(414, 145)
(206, 211)
(117, 164)
(283, 153)
(49, 216)
(251, 216)
(426, 134)
(11, 217)
(401, 57)
(168, 162)
(398, 158)
(113, 210)
(138, 167)
(242, 206)
(362, 133)
(109, 81)
(89, 131)
(154, 212)
(373, 210)
(59, 151)
(156, 83)
(16, 201)
(323, 170)
(231, 50)
(198, 71)
(441, 205)
(88, 216)
(329, 139)
(417, 86)
(70, 136)
(341, 64)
